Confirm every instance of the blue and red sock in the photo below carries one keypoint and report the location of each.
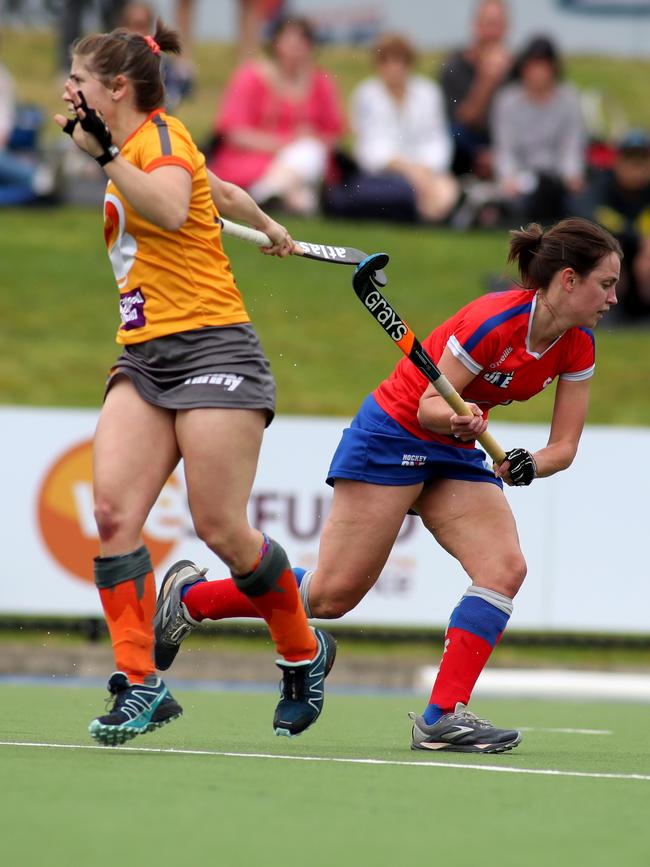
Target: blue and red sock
(475, 628)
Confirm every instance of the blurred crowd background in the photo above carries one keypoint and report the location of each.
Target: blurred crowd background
(484, 134)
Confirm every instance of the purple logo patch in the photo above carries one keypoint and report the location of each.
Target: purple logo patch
(132, 310)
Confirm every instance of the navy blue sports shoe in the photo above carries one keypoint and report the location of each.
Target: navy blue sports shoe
(137, 708)
(303, 688)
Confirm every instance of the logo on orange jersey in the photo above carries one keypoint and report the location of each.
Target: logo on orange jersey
(132, 310)
(122, 247)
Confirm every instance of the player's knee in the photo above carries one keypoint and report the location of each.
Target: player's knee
(505, 576)
(512, 574)
(329, 606)
(222, 539)
(109, 519)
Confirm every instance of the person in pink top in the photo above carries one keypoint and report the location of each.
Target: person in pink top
(278, 120)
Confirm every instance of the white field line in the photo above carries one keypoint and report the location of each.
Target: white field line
(565, 731)
(499, 769)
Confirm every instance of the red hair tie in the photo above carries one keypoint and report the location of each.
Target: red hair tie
(153, 45)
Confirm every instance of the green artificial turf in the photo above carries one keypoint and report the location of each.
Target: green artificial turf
(238, 805)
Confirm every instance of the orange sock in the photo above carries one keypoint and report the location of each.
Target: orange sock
(129, 605)
(271, 588)
(285, 617)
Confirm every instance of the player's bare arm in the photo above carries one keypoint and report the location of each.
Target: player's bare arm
(234, 203)
(569, 414)
(161, 196)
(435, 414)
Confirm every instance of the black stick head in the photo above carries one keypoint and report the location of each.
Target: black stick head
(370, 272)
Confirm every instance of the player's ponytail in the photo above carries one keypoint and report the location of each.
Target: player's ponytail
(571, 243)
(524, 244)
(168, 39)
(132, 55)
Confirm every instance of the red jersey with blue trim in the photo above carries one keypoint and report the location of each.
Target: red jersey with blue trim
(491, 337)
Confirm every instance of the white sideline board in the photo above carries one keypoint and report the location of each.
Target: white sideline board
(583, 531)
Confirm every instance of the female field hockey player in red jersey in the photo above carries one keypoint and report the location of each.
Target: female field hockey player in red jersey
(192, 381)
(501, 347)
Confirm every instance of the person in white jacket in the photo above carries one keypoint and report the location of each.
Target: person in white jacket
(400, 126)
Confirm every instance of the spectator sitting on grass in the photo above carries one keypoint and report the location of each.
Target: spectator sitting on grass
(25, 178)
(470, 77)
(539, 138)
(279, 119)
(619, 199)
(178, 72)
(400, 128)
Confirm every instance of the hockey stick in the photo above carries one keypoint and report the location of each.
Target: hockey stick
(366, 289)
(319, 252)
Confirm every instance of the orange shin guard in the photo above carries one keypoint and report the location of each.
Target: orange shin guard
(272, 590)
(128, 594)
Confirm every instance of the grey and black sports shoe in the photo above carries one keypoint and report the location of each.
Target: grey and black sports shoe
(172, 622)
(302, 688)
(462, 732)
(137, 708)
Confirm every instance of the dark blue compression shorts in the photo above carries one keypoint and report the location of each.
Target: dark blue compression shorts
(377, 449)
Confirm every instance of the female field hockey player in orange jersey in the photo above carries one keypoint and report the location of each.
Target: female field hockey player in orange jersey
(500, 347)
(192, 381)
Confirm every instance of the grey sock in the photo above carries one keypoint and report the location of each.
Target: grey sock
(503, 603)
(304, 591)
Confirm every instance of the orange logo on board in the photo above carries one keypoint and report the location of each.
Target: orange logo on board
(66, 519)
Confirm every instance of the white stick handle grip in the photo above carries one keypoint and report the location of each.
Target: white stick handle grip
(245, 233)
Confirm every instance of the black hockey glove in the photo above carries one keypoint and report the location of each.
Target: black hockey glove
(523, 468)
(68, 129)
(93, 124)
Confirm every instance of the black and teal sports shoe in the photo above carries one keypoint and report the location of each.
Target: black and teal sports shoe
(137, 708)
(303, 688)
(462, 732)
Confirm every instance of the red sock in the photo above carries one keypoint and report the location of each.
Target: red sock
(218, 600)
(464, 659)
(221, 600)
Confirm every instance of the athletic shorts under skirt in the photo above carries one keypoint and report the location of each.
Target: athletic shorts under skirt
(222, 367)
(378, 450)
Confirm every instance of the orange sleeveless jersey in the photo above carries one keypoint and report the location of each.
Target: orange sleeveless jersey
(168, 281)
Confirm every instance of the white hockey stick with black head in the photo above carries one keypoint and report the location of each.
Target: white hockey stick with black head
(320, 252)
